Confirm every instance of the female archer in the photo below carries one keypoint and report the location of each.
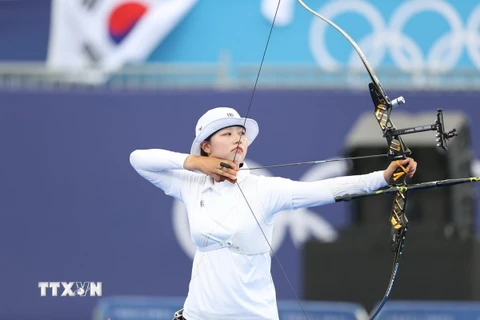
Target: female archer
(230, 276)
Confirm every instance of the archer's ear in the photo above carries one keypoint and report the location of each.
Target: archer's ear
(205, 146)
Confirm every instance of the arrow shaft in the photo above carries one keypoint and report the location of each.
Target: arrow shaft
(418, 186)
(316, 162)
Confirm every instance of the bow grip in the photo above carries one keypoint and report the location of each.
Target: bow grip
(399, 176)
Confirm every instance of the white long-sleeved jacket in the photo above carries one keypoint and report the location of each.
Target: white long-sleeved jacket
(231, 268)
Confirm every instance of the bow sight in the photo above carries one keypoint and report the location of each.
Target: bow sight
(439, 126)
(397, 149)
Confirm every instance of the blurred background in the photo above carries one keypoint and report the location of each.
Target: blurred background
(83, 83)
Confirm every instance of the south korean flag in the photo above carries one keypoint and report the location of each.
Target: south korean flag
(106, 34)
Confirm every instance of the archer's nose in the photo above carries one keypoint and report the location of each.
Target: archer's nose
(241, 141)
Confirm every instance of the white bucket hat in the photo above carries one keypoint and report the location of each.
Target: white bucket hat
(219, 118)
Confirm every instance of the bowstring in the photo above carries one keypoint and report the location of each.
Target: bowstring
(236, 151)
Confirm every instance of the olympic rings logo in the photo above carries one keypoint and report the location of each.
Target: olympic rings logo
(406, 54)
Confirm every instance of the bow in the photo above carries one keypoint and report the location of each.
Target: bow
(397, 150)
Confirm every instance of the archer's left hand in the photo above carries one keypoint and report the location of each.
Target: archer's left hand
(408, 164)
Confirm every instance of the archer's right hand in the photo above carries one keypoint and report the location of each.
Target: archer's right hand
(211, 166)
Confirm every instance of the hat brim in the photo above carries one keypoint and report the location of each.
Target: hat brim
(251, 131)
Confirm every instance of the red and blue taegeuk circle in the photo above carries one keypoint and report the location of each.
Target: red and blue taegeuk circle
(123, 19)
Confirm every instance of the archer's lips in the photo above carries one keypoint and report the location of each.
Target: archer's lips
(238, 150)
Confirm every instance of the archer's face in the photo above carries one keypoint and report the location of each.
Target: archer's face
(224, 144)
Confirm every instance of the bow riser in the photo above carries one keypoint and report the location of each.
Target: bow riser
(397, 150)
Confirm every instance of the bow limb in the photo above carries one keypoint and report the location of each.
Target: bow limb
(359, 51)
